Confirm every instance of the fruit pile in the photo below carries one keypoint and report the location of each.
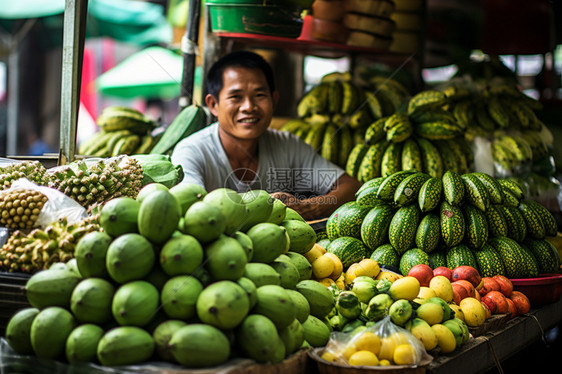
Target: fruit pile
(42, 248)
(92, 182)
(122, 131)
(424, 310)
(34, 171)
(427, 138)
(20, 207)
(499, 297)
(503, 115)
(183, 276)
(471, 219)
(438, 307)
(334, 114)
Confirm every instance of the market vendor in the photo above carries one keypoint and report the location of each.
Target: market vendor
(240, 152)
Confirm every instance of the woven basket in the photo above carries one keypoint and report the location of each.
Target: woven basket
(325, 367)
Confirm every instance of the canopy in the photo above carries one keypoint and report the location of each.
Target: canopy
(129, 21)
(154, 72)
(22, 9)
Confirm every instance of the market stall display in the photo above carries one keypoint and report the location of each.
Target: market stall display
(160, 266)
(473, 219)
(443, 243)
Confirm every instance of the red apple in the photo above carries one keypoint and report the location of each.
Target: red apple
(459, 293)
(487, 310)
(423, 273)
(444, 271)
(467, 285)
(466, 273)
(490, 303)
(489, 284)
(521, 301)
(499, 300)
(511, 308)
(506, 287)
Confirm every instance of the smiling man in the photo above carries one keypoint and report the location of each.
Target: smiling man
(240, 152)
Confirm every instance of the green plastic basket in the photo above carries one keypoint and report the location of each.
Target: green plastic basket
(254, 19)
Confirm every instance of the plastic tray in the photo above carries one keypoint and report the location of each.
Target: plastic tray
(545, 289)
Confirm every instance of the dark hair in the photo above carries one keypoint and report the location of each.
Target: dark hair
(244, 59)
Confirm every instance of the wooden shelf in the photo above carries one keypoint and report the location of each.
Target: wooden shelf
(308, 46)
(479, 354)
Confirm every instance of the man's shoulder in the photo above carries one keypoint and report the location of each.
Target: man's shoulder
(281, 138)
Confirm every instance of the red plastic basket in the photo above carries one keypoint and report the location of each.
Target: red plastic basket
(544, 289)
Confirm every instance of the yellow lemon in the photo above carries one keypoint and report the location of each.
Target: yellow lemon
(367, 267)
(473, 311)
(328, 356)
(314, 253)
(405, 354)
(368, 341)
(445, 338)
(363, 358)
(426, 293)
(431, 313)
(340, 282)
(322, 267)
(442, 287)
(384, 363)
(338, 266)
(320, 248)
(348, 351)
(405, 288)
(458, 311)
(326, 281)
(387, 348)
(388, 275)
(400, 337)
(350, 273)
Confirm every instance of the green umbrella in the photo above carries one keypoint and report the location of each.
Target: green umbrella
(22, 9)
(154, 72)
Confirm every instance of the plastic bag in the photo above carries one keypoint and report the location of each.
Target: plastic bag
(386, 340)
(57, 206)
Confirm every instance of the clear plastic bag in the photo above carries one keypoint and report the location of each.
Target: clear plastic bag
(386, 340)
(57, 206)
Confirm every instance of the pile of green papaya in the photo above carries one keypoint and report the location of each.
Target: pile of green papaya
(180, 275)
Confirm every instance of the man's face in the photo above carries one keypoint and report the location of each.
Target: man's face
(245, 105)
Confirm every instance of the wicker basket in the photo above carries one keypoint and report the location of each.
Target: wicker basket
(325, 367)
(12, 296)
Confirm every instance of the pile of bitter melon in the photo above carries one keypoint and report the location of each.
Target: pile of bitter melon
(411, 217)
(122, 131)
(334, 114)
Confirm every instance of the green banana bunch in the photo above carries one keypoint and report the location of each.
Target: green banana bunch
(115, 118)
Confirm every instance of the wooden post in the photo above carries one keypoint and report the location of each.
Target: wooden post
(74, 29)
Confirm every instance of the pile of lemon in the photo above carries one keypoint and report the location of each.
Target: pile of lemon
(327, 268)
(367, 348)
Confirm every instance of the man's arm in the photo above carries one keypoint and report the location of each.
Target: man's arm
(343, 191)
